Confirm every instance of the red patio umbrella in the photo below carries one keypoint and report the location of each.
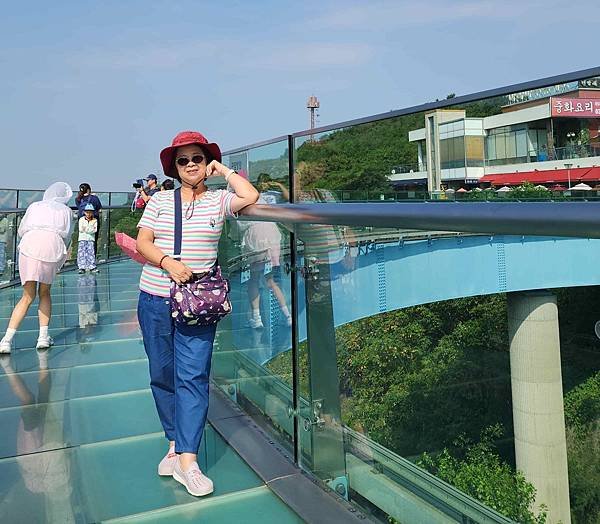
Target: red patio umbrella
(558, 187)
(127, 245)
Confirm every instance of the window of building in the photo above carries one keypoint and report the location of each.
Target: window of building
(452, 152)
(474, 151)
(507, 145)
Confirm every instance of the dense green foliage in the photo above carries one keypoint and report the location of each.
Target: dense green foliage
(582, 404)
(358, 157)
(583, 454)
(122, 221)
(431, 379)
(362, 156)
(427, 374)
(582, 416)
(477, 470)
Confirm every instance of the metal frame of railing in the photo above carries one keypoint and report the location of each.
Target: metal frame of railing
(565, 219)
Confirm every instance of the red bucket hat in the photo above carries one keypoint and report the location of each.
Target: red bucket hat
(185, 138)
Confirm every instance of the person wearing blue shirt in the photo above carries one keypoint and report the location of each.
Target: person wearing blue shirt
(85, 197)
(146, 193)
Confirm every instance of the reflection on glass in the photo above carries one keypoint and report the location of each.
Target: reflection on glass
(272, 160)
(27, 197)
(8, 198)
(45, 475)
(248, 341)
(7, 246)
(88, 306)
(255, 255)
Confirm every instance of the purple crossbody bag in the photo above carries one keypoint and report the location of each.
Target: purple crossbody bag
(203, 300)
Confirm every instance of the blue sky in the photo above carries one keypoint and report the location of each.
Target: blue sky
(92, 90)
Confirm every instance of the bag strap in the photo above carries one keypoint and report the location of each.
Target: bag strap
(177, 241)
(178, 227)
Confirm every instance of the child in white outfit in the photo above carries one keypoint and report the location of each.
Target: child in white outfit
(86, 252)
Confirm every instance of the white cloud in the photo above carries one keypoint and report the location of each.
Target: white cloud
(230, 54)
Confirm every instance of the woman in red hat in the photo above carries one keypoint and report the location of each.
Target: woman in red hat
(180, 355)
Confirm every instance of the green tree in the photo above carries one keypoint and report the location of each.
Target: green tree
(361, 157)
(426, 374)
(583, 454)
(477, 470)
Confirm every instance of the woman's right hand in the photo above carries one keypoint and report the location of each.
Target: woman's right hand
(177, 270)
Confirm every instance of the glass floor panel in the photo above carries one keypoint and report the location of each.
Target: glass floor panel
(80, 438)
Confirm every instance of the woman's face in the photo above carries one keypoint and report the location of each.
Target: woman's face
(191, 172)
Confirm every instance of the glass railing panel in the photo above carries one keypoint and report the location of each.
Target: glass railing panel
(365, 162)
(426, 376)
(121, 198)
(256, 256)
(102, 251)
(8, 198)
(122, 220)
(549, 130)
(267, 167)
(8, 226)
(26, 197)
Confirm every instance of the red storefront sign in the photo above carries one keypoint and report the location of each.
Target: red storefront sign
(575, 107)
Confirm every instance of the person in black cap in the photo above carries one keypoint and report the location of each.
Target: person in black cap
(147, 192)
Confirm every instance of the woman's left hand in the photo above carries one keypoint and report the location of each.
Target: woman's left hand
(215, 168)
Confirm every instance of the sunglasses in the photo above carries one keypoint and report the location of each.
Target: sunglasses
(184, 160)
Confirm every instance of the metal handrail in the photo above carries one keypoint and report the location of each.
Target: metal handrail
(564, 219)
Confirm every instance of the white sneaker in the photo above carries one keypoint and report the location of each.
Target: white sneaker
(193, 479)
(255, 323)
(5, 346)
(44, 342)
(167, 464)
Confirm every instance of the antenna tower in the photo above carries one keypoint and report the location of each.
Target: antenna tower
(312, 105)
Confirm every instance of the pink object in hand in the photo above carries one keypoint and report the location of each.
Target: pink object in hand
(127, 245)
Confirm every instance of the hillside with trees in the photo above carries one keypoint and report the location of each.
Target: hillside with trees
(432, 383)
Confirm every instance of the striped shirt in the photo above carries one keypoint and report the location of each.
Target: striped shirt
(199, 239)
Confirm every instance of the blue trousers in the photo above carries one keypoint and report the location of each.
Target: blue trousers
(179, 357)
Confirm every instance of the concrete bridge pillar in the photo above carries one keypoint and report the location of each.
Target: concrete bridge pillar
(537, 396)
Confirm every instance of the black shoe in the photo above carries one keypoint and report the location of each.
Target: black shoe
(81, 271)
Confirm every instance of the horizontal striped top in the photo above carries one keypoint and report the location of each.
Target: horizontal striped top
(199, 239)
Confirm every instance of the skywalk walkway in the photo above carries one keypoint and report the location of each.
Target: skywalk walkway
(80, 439)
